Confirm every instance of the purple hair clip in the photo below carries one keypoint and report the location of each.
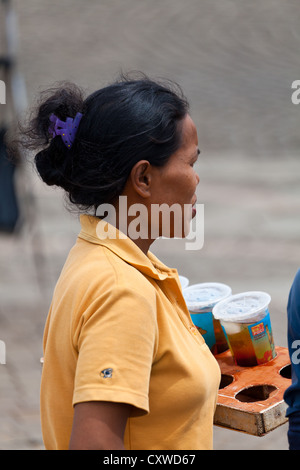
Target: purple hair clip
(67, 130)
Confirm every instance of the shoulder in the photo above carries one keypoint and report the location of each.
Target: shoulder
(294, 296)
(97, 262)
(296, 283)
(93, 275)
(293, 307)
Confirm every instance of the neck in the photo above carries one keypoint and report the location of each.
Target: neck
(135, 227)
(144, 245)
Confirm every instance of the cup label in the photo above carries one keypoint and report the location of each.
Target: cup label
(262, 339)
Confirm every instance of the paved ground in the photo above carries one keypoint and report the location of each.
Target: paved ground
(236, 62)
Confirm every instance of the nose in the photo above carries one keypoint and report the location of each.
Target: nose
(197, 179)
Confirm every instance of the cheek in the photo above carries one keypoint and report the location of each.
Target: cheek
(189, 182)
(177, 186)
(184, 186)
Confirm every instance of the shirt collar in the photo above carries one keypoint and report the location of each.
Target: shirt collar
(102, 233)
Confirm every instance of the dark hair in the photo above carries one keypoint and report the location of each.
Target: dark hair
(123, 123)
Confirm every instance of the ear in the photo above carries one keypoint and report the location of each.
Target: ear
(140, 176)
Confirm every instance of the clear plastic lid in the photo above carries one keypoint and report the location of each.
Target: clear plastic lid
(242, 307)
(183, 281)
(201, 297)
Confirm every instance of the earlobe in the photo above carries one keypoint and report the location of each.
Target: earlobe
(141, 178)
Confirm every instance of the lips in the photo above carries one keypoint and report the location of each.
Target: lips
(194, 211)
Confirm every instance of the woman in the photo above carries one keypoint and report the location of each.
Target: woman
(124, 367)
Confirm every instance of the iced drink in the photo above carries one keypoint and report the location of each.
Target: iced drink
(245, 319)
(200, 300)
(183, 281)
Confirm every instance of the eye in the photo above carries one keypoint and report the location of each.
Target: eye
(195, 159)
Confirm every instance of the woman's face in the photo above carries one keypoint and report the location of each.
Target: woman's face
(175, 184)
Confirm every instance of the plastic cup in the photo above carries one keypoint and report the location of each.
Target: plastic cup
(183, 281)
(200, 300)
(245, 320)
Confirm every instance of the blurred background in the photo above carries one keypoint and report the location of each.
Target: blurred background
(236, 61)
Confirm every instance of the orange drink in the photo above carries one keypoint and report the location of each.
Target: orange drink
(245, 320)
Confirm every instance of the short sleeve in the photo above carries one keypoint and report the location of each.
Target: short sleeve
(116, 346)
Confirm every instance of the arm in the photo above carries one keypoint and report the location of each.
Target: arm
(292, 394)
(99, 425)
(120, 334)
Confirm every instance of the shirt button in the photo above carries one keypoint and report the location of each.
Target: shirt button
(193, 330)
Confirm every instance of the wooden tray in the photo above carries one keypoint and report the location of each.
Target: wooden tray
(250, 399)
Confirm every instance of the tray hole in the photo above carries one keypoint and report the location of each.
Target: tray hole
(286, 372)
(256, 393)
(225, 380)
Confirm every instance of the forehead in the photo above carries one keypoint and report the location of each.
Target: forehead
(189, 131)
(188, 149)
(189, 137)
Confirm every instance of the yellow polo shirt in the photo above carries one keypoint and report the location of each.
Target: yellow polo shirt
(118, 330)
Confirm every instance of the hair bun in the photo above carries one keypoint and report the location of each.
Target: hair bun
(52, 170)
